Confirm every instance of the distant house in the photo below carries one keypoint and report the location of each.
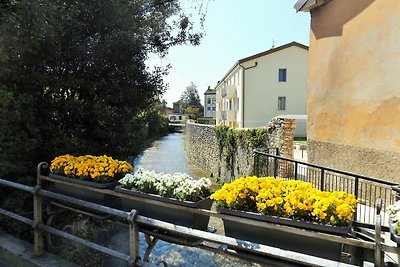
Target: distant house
(166, 111)
(354, 85)
(176, 117)
(262, 86)
(177, 107)
(210, 102)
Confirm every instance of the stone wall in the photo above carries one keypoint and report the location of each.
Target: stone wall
(280, 134)
(203, 150)
(370, 162)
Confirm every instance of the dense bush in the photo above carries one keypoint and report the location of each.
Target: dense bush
(73, 77)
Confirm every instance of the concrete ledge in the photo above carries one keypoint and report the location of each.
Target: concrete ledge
(21, 253)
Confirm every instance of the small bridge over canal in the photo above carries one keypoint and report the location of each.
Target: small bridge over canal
(176, 126)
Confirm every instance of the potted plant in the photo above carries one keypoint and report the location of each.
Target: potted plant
(286, 202)
(394, 221)
(94, 171)
(179, 189)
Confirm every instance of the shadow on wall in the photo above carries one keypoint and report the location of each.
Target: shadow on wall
(340, 12)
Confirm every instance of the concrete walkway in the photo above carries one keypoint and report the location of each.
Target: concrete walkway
(15, 252)
(5, 264)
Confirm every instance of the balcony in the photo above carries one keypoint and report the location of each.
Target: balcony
(231, 115)
(223, 115)
(229, 91)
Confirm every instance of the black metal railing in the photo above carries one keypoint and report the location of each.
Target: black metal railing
(366, 189)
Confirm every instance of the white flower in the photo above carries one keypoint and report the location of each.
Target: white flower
(177, 185)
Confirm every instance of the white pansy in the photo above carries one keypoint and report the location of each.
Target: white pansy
(177, 185)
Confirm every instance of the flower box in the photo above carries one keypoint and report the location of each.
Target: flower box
(179, 189)
(83, 193)
(171, 215)
(393, 234)
(394, 221)
(101, 172)
(283, 240)
(292, 203)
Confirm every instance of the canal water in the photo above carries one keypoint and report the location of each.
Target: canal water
(168, 155)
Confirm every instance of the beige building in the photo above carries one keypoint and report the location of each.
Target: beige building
(354, 85)
(263, 86)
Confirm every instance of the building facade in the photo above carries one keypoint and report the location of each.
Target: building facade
(353, 86)
(210, 103)
(263, 86)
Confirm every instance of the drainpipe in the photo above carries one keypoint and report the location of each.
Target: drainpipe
(243, 82)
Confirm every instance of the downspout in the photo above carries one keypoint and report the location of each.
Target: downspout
(243, 82)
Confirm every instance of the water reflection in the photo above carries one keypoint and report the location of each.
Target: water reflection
(168, 155)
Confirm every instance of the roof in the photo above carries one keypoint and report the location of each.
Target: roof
(308, 5)
(270, 51)
(210, 92)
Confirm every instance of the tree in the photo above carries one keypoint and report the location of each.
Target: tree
(73, 77)
(190, 97)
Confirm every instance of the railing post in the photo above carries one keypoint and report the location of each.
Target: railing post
(256, 163)
(356, 181)
(322, 179)
(275, 167)
(295, 170)
(133, 238)
(38, 211)
(378, 244)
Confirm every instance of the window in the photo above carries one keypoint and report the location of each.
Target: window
(208, 100)
(282, 75)
(208, 108)
(213, 108)
(282, 103)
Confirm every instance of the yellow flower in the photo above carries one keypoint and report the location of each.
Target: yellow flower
(98, 169)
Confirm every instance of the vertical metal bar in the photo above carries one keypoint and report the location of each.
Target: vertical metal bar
(295, 170)
(322, 179)
(256, 166)
(37, 219)
(378, 245)
(275, 167)
(133, 238)
(37, 211)
(356, 186)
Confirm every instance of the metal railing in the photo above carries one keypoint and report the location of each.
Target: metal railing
(366, 189)
(213, 242)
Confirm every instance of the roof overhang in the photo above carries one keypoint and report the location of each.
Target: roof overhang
(308, 5)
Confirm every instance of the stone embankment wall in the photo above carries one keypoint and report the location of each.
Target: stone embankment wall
(203, 147)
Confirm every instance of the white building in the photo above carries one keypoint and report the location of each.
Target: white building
(210, 103)
(263, 86)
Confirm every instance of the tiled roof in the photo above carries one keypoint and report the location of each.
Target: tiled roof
(210, 92)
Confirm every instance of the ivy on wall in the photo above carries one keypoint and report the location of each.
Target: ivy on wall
(229, 139)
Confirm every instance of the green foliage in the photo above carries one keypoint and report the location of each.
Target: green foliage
(194, 112)
(299, 139)
(221, 135)
(73, 77)
(190, 102)
(229, 139)
(206, 120)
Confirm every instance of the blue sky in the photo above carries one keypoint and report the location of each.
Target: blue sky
(234, 29)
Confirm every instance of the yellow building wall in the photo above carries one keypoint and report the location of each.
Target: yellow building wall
(354, 86)
(262, 87)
